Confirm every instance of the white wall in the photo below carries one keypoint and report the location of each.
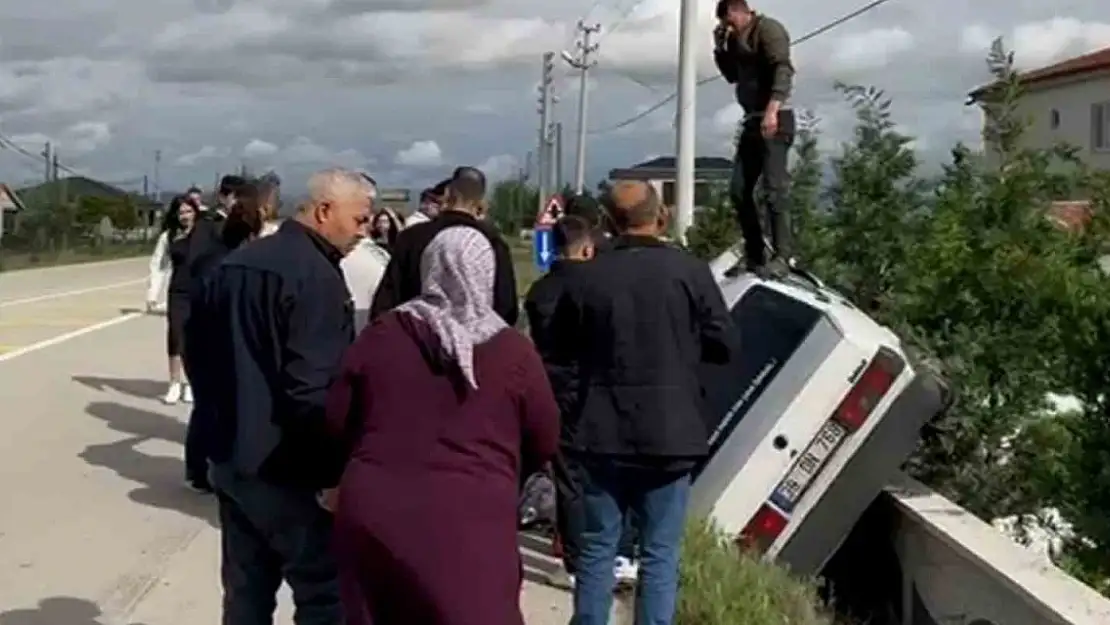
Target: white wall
(1072, 100)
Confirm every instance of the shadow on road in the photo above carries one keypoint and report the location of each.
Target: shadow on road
(161, 478)
(145, 389)
(56, 611)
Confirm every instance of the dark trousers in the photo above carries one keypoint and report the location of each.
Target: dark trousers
(272, 533)
(570, 515)
(759, 158)
(196, 434)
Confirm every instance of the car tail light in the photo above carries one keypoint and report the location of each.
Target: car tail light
(763, 528)
(870, 387)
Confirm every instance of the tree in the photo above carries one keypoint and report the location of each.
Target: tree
(513, 206)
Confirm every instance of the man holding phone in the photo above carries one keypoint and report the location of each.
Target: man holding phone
(752, 52)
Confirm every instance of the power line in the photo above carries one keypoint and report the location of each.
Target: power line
(810, 35)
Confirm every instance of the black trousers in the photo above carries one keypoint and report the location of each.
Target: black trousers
(569, 517)
(760, 158)
(272, 533)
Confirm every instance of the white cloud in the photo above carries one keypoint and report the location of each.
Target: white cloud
(420, 154)
(76, 140)
(871, 49)
(206, 153)
(1041, 42)
(500, 167)
(257, 148)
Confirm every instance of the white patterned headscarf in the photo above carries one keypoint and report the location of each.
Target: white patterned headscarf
(456, 298)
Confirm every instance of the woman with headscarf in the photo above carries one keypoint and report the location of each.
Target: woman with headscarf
(439, 405)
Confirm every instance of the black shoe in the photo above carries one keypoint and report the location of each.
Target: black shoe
(199, 486)
(776, 268)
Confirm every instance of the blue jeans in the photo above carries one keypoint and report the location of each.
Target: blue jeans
(658, 500)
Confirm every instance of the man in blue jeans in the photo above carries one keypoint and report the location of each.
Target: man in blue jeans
(647, 315)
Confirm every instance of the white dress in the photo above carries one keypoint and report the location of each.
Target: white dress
(160, 269)
(363, 269)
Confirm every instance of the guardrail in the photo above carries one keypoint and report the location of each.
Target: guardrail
(916, 558)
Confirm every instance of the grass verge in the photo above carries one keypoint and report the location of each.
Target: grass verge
(14, 261)
(720, 584)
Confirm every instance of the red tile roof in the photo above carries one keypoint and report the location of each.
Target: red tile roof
(1096, 61)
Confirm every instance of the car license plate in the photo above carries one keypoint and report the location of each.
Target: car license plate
(807, 467)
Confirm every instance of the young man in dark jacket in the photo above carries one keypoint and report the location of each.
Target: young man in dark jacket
(574, 237)
(464, 207)
(752, 52)
(279, 318)
(647, 315)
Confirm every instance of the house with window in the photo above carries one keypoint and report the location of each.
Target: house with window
(1068, 102)
(710, 172)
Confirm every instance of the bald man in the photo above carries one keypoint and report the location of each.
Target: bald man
(648, 315)
(278, 318)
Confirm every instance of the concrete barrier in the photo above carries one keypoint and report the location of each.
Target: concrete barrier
(916, 558)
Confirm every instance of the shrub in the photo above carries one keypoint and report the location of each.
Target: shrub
(720, 584)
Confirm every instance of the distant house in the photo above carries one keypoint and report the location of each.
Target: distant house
(660, 172)
(10, 207)
(1067, 102)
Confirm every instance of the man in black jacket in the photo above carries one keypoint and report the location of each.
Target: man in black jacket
(647, 315)
(279, 318)
(752, 52)
(464, 207)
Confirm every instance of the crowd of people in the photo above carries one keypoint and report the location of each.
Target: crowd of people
(365, 411)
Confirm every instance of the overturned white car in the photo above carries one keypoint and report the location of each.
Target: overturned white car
(819, 411)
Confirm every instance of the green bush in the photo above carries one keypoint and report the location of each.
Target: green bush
(720, 584)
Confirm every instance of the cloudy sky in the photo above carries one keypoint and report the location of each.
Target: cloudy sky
(409, 88)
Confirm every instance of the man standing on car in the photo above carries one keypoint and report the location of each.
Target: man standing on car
(752, 52)
(647, 315)
(280, 319)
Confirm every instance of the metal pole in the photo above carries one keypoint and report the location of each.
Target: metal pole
(543, 155)
(583, 63)
(686, 120)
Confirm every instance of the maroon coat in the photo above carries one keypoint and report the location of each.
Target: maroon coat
(427, 519)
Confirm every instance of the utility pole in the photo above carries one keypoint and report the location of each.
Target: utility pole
(546, 102)
(559, 180)
(582, 62)
(157, 176)
(46, 155)
(686, 120)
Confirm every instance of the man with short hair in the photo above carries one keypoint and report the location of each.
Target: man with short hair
(752, 52)
(464, 207)
(196, 196)
(279, 318)
(431, 201)
(646, 316)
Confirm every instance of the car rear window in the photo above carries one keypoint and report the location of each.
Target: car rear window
(768, 327)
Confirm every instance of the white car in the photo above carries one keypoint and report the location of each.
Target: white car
(820, 410)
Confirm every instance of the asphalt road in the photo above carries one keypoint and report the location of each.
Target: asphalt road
(96, 527)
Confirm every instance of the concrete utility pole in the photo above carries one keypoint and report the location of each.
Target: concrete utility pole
(685, 121)
(559, 180)
(543, 154)
(582, 62)
(46, 155)
(157, 177)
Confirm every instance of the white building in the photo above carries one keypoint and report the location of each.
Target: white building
(1069, 102)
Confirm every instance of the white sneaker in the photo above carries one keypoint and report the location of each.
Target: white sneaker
(187, 394)
(626, 571)
(173, 393)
